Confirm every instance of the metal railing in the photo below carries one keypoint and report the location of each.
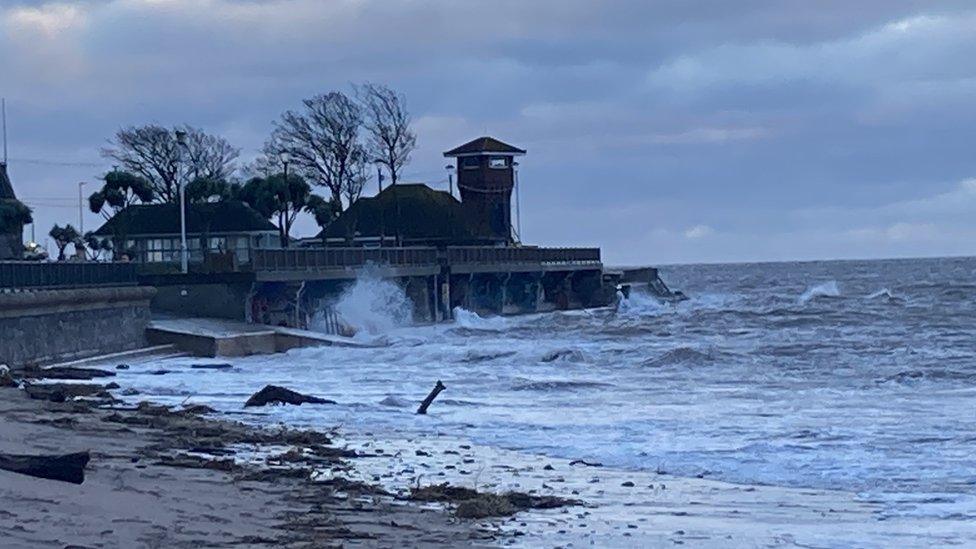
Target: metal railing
(328, 258)
(331, 258)
(482, 254)
(29, 275)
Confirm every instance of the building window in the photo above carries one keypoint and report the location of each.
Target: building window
(498, 162)
(471, 162)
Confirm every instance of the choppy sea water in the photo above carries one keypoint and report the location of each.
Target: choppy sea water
(857, 376)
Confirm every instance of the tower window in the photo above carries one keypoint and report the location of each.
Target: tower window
(498, 162)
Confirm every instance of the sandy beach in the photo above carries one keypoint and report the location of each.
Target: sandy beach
(144, 488)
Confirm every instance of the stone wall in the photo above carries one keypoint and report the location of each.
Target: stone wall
(60, 325)
(226, 300)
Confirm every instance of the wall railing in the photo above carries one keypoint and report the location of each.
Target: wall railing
(30, 275)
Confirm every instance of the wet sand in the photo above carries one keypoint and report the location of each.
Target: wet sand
(152, 482)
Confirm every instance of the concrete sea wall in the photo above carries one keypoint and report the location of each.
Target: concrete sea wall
(59, 325)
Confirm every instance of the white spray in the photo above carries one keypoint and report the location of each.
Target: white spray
(374, 305)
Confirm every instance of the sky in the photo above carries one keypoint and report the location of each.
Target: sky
(663, 131)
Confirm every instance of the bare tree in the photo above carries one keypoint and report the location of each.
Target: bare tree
(323, 140)
(388, 124)
(153, 152)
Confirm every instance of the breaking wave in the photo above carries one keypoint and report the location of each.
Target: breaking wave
(564, 355)
(681, 355)
(473, 321)
(884, 294)
(556, 385)
(639, 304)
(827, 289)
(373, 305)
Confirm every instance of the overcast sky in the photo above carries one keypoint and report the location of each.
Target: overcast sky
(663, 131)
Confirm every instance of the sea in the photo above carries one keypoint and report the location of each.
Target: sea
(858, 376)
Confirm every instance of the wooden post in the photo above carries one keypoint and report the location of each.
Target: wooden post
(430, 398)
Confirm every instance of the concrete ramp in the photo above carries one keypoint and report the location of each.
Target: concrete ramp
(209, 337)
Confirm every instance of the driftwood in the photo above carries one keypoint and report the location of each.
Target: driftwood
(272, 394)
(60, 392)
(67, 468)
(430, 398)
(66, 372)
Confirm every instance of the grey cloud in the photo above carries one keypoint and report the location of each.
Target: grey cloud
(643, 119)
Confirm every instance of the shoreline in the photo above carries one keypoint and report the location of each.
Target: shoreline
(162, 478)
(335, 498)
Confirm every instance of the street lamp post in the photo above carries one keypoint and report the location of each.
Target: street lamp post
(81, 209)
(285, 159)
(379, 175)
(184, 266)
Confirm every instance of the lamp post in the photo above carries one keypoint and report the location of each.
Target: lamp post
(181, 143)
(379, 175)
(450, 177)
(285, 159)
(81, 209)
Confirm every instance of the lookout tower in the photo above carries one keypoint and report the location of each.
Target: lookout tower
(485, 178)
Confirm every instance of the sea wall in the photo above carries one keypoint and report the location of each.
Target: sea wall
(59, 325)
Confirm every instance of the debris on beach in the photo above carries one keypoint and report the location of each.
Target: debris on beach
(66, 468)
(6, 380)
(273, 394)
(61, 392)
(66, 372)
(475, 505)
(204, 366)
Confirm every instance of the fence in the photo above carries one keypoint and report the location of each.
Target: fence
(25, 275)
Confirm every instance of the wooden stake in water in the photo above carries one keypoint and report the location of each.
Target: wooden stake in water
(430, 398)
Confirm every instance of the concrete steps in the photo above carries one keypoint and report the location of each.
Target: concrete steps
(206, 337)
(136, 355)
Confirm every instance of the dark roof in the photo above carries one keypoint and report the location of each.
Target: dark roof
(425, 214)
(484, 145)
(228, 216)
(6, 188)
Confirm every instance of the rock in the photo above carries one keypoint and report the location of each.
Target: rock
(112, 386)
(628, 484)
(159, 372)
(198, 409)
(122, 367)
(548, 467)
(6, 380)
(223, 366)
(273, 394)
